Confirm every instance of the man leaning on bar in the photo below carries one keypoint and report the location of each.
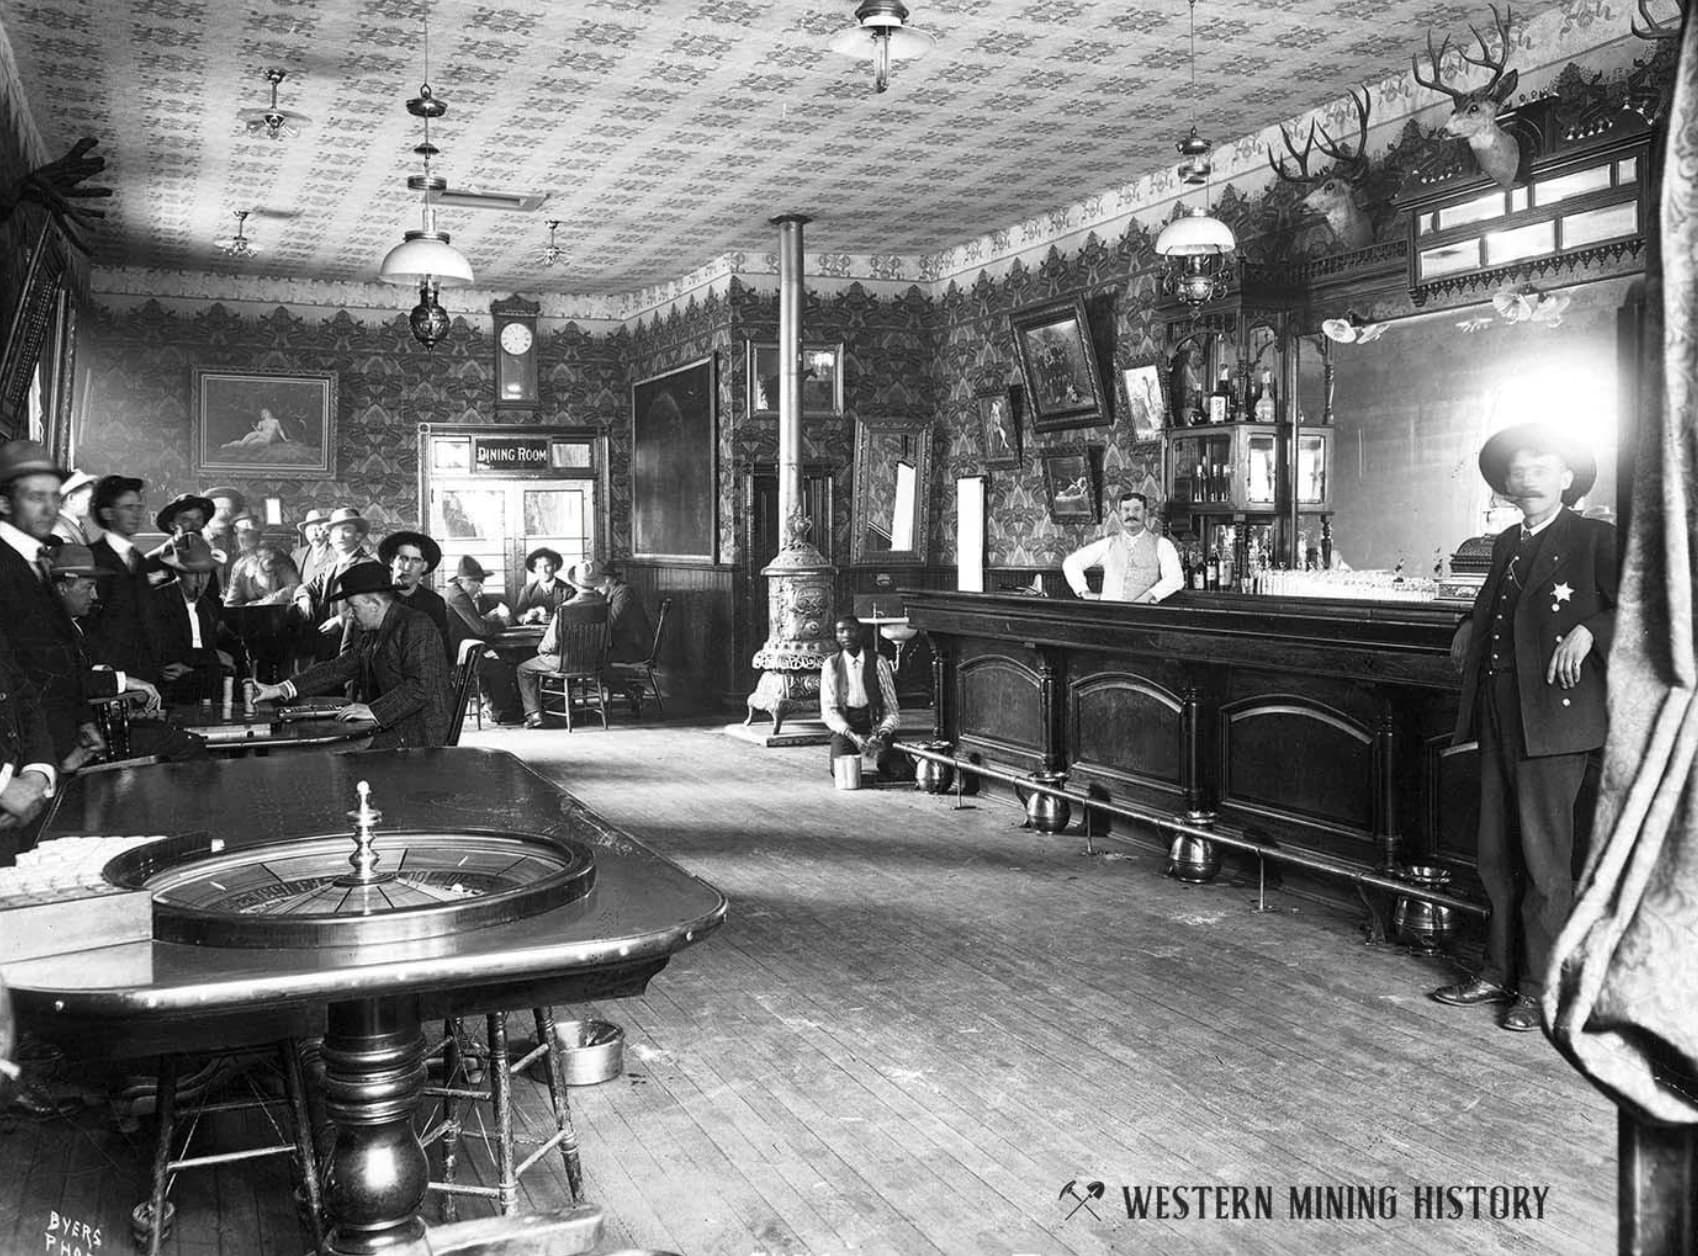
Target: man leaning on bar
(1137, 565)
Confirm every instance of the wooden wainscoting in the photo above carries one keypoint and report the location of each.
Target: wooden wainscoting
(697, 662)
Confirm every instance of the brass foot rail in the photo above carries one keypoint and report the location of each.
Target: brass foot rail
(1176, 824)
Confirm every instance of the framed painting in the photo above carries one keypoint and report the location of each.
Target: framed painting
(1146, 400)
(1070, 481)
(999, 420)
(1063, 383)
(822, 379)
(264, 424)
(675, 465)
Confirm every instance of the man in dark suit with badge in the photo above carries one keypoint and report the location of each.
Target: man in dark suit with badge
(1532, 654)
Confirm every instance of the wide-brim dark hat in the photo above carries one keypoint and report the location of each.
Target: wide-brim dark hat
(1540, 438)
(180, 503)
(542, 551)
(470, 569)
(395, 540)
(361, 578)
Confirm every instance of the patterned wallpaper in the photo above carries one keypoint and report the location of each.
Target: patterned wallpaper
(137, 367)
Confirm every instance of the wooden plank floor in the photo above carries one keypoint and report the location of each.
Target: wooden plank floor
(919, 1024)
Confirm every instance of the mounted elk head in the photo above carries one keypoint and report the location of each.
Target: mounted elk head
(1475, 116)
(1332, 192)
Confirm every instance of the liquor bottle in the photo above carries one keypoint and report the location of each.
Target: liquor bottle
(1267, 403)
(1199, 569)
(1220, 400)
(1253, 389)
(1213, 575)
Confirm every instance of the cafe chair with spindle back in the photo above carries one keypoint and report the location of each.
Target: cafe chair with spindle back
(465, 683)
(641, 673)
(580, 632)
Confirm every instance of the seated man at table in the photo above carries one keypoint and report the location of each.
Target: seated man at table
(187, 629)
(395, 659)
(542, 592)
(858, 700)
(410, 557)
(474, 617)
(74, 581)
(629, 632)
(581, 609)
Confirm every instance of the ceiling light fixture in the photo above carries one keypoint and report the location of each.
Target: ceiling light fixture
(1196, 244)
(238, 245)
(882, 33)
(274, 123)
(552, 252)
(426, 256)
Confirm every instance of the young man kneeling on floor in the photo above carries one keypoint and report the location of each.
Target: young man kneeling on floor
(858, 701)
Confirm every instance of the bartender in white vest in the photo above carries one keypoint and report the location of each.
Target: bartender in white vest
(1137, 565)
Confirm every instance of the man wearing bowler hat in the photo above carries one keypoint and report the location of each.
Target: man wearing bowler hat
(474, 617)
(395, 659)
(43, 638)
(314, 550)
(1531, 654)
(410, 557)
(76, 524)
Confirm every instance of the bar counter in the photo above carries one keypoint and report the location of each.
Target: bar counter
(1319, 724)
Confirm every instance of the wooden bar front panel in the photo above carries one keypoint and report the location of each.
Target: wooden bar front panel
(1319, 725)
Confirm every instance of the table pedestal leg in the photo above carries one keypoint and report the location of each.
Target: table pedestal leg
(374, 1072)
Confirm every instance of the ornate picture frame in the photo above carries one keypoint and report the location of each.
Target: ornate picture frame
(1070, 483)
(263, 424)
(822, 379)
(999, 420)
(1059, 360)
(675, 464)
(1144, 393)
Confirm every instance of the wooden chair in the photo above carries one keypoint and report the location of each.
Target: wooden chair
(465, 682)
(580, 634)
(642, 671)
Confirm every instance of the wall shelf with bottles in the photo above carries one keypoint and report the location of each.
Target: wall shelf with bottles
(1237, 468)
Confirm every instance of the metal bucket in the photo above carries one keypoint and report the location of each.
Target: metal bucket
(846, 771)
(590, 1051)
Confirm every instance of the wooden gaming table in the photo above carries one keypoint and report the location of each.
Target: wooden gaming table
(483, 887)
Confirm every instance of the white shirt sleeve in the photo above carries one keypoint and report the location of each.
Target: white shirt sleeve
(1172, 572)
(1081, 560)
(887, 688)
(828, 697)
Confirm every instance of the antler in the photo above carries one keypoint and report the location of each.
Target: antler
(1654, 29)
(1351, 162)
(1436, 83)
(1278, 163)
(1485, 60)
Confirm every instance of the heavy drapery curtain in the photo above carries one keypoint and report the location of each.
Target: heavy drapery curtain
(1623, 991)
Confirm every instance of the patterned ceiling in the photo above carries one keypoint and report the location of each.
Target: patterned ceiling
(666, 132)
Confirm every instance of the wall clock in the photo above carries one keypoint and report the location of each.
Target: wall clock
(515, 354)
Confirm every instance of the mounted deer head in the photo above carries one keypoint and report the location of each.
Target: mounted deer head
(1333, 190)
(1475, 116)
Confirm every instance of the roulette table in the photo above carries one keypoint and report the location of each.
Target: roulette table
(287, 901)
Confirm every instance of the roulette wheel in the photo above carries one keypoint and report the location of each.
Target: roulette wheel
(391, 886)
